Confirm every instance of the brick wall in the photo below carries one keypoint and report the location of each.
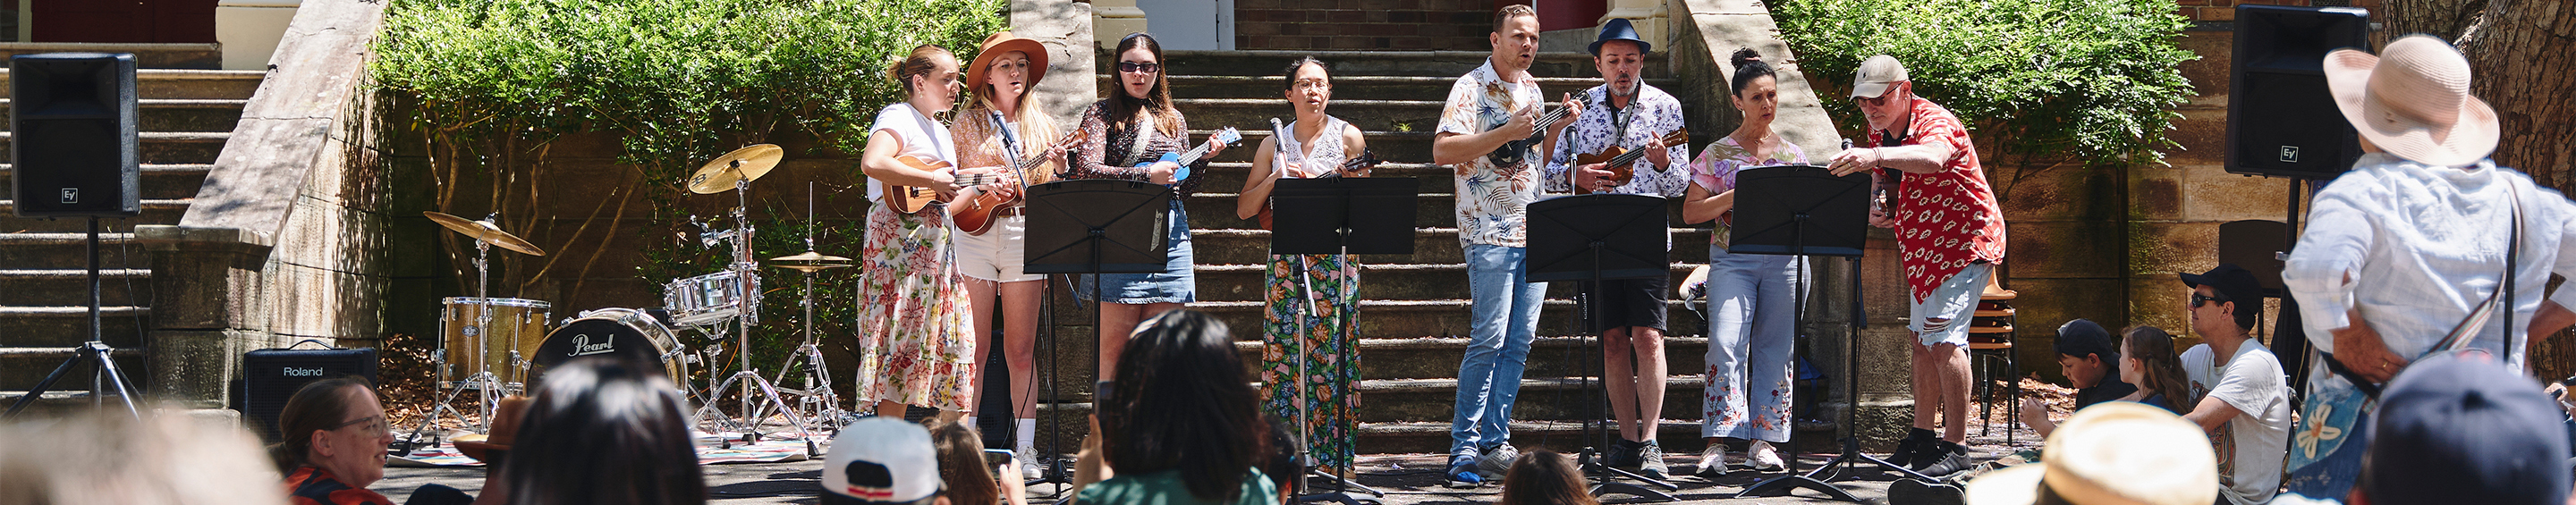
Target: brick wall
(1455, 25)
(2225, 10)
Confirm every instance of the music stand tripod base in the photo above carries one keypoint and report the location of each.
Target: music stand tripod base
(1600, 237)
(1094, 227)
(1323, 216)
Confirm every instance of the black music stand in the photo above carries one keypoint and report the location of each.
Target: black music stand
(1804, 210)
(1324, 216)
(1593, 238)
(1092, 226)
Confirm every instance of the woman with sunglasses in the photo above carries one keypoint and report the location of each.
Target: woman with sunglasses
(1001, 128)
(1302, 372)
(1128, 132)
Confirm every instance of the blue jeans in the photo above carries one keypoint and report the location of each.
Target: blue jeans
(1505, 319)
(1751, 333)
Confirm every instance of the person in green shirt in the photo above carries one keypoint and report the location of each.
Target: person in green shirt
(1181, 424)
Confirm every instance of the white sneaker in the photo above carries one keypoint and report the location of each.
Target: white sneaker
(1497, 462)
(1029, 469)
(1712, 461)
(1762, 457)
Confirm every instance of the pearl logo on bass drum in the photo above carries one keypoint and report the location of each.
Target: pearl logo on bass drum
(581, 345)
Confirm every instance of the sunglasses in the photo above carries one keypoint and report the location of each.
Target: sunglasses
(375, 424)
(1139, 68)
(2197, 299)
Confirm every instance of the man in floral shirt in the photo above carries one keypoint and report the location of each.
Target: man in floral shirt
(1490, 114)
(1950, 233)
(1629, 114)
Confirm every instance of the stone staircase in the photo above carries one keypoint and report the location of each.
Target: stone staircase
(1414, 313)
(187, 112)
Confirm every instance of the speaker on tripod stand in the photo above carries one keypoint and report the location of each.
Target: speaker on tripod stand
(75, 152)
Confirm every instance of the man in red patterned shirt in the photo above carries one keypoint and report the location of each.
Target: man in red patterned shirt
(1950, 233)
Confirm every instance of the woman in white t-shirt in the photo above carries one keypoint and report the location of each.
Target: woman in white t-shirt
(916, 338)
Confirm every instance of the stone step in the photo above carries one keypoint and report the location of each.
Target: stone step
(69, 250)
(160, 181)
(1437, 357)
(1434, 317)
(158, 83)
(1370, 63)
(1541, 399)
(1392, 148)
(21, 368)
(1216, 211)
(1678, 437)
(1227, 176)
(1430, 245)
(65, 326)
(203, 56)
(173, 148)
(1348, 87)
(40, 287)
(1400, 281)
(154, 212)
(1368, 115)
(182, 114)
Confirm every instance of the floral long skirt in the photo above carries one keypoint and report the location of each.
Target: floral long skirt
(1297, 333)
(916, 338)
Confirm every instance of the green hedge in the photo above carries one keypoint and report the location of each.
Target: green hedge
(2089, 81)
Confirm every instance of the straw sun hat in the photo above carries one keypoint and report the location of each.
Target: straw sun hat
(1002, 43)
(2412, 100)
(2113, 453)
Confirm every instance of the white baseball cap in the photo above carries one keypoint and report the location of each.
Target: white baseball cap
(880, 460)
(1876, 75)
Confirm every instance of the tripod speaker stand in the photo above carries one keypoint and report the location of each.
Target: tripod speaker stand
(1593, 238)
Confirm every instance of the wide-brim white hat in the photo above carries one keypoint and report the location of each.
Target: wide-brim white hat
(2112, 453)
(2412, 101)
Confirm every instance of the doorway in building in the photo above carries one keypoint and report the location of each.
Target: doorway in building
(1190, 25)
(120, 21)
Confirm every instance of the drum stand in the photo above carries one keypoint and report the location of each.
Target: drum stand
(822, 405)
(482, 382)
(745, 314)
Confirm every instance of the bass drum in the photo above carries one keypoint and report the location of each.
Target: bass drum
(623, 333)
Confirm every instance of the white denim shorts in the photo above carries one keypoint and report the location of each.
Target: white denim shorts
(998, 254)
(1955, 303)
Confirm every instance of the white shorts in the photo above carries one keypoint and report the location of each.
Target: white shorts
(1955, 303)
(998, 254)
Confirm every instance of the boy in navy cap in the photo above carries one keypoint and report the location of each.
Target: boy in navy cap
(2089, 357)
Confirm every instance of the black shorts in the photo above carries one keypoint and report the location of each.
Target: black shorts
(1629, 302)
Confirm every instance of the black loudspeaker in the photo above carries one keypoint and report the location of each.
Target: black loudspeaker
(270, 376)
(74, 149)
(2280, 121)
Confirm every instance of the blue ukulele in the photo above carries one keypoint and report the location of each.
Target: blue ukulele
(1227, 136)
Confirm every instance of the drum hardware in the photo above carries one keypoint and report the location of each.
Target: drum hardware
(736, 171)
(821, 405)
(477, 334)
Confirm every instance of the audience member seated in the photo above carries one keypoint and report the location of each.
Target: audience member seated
(2461, 428)
(492, 448)
(2244, 399)
(1283, 465)
(106, 457)
(2147, 360)
(1543, 477)
(882, 461)
(604, 430)
(1180, 424)
(963, 468)
(2086, 354)
(2112, 453)
(332, 436)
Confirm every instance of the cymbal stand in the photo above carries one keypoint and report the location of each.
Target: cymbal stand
(482, 382)
(746, 314)
(821, 405)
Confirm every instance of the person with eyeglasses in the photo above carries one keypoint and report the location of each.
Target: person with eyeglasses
(1302, 372)
(333, 436)
(1129, 131)
(2244, 397)
(1950, 232)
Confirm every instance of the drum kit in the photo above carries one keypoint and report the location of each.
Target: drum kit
(494, 347)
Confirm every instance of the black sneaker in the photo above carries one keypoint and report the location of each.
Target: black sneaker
(1951, 459)
(1908, 446)
(1915, 492)
(1623, 454)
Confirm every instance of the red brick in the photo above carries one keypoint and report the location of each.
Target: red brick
(1404, 17)
(2217, 14)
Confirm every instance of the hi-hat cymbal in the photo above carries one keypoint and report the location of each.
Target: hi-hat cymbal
(811, 257)
(814, 267)
(485, 231)
(718, 175)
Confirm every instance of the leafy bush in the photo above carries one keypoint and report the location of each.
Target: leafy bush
(2044, 81)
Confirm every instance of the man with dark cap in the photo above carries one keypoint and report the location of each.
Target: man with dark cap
(2244, 397)
(2090, 358)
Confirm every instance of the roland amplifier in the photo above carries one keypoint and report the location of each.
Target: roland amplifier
(270, 376)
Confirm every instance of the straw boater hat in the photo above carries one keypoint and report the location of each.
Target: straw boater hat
(2113, 453)
(2412, 100)
(1003, 42)
(505, 429)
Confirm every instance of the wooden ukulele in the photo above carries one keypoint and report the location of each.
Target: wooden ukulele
(1622, 160)
(1354, 167)
(975, 215)
(911, 199)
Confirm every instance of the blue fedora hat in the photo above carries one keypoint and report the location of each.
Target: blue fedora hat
(1618, 29)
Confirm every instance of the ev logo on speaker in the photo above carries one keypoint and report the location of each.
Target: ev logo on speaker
(71, 195)
(2289, 154)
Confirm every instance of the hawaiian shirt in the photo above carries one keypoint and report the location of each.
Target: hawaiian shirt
(1492, 200)
(1715, 171)
(1652, 114)
(1944, 220)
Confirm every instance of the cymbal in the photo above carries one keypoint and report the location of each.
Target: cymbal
(486, 232)
(816, 267)
(718, 175)
(811, 257)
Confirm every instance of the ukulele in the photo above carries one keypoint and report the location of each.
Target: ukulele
(975, 215)
(1512, 152)
(1227, 136)
(911, 199)
(1354, 167)
(1623, 160)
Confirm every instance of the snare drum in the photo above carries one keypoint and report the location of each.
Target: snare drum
(712, 298)
(475, 346)
(624, 333)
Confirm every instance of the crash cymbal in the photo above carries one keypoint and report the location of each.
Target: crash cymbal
(485, 231)
(811, 257)
(815, 267)
(718, 175)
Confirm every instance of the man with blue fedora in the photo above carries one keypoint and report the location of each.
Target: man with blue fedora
(1626, 113)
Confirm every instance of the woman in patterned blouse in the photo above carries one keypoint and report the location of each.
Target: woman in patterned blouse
(1749, 298)
(1128, 131)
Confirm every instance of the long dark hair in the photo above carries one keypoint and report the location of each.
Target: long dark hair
(961, 464)
(2159, 370)
(1543, 477)
(319, 405)
(1748, 66)
(1157, 101)
(1182, 402)
(602, 430)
